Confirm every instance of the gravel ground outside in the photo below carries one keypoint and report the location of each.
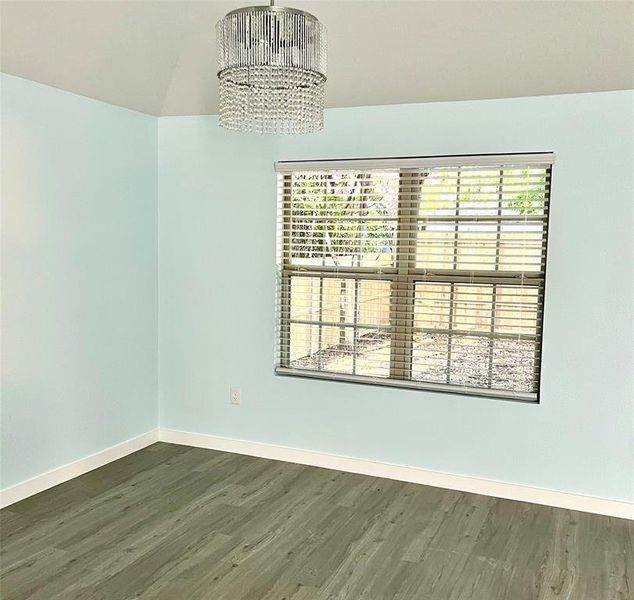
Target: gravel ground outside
(504, 364)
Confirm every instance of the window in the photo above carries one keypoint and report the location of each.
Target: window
(416, 272)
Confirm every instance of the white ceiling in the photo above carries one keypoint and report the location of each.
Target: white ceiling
(158, 57)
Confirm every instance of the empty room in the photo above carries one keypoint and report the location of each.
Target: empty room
(317, 300)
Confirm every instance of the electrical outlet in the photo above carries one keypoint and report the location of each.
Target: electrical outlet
(236, 395)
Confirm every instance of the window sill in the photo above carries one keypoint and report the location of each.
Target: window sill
(531, 398)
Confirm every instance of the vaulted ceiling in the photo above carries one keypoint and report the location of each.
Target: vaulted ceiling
(158, 57)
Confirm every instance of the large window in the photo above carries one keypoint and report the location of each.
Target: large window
(418, 272)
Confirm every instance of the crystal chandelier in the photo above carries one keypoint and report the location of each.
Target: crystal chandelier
(272, 70)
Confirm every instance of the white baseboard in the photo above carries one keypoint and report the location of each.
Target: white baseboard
(498, 489)
(54, 477)
(450, 481)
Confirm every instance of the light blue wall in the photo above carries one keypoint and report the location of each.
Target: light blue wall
(216, 297)
(79, 277)
(79, 302)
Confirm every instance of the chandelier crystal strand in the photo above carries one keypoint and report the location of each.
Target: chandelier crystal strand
(272, 70)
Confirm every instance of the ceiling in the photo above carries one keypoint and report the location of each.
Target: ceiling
(158, 57)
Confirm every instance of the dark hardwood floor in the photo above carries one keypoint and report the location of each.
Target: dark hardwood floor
(173, 522)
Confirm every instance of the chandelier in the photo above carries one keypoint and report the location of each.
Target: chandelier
(272, 70)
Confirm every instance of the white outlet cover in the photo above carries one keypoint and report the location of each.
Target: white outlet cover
(235, 395)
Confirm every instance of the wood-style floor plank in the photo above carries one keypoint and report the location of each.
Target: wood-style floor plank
(172, 522)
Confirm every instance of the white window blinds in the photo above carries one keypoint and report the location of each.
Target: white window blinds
(417, 272)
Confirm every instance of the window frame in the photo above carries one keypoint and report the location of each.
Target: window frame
(405, 275)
